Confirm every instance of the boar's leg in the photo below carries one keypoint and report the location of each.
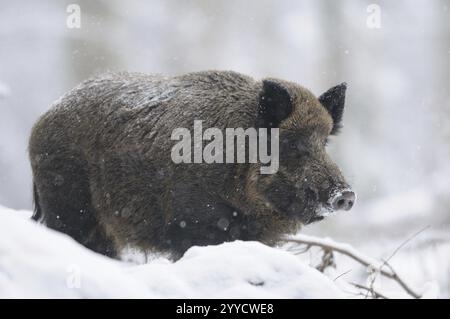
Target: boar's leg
(63, 197)
(202, 220)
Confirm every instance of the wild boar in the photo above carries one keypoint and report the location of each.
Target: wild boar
(103, 172)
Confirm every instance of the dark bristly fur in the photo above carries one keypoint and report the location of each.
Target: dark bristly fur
(103, 174)
(333, 100)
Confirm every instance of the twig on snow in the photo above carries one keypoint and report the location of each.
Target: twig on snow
(351, 252)
(343, 274)
(370, 290)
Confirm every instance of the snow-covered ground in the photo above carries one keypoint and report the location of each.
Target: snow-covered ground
(38, 262)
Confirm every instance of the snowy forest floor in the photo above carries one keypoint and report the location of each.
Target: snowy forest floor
(38, 262)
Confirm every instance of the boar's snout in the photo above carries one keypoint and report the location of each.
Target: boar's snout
(343, 200)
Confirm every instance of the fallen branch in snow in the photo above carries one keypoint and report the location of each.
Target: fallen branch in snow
(347, 250)
(375, 294)
(343, 274)
(386, 261)
(327, 260)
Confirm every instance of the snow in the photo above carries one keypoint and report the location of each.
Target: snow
(36, 262)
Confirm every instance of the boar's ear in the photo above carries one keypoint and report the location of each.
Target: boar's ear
(333, 100)
(275, 104)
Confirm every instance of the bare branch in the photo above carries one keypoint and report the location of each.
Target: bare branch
(351, 252)
(396, 277)
(406, 242)
(327, 261)
(374, 293)
(343, 274)
(385, 263)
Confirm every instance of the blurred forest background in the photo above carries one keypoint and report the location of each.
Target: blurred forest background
(394, 148)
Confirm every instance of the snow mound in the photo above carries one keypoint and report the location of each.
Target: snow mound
(36, 262)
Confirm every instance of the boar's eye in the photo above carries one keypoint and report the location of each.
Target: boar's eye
(294, 147)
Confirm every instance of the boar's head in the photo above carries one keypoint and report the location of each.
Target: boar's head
(308, 185)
